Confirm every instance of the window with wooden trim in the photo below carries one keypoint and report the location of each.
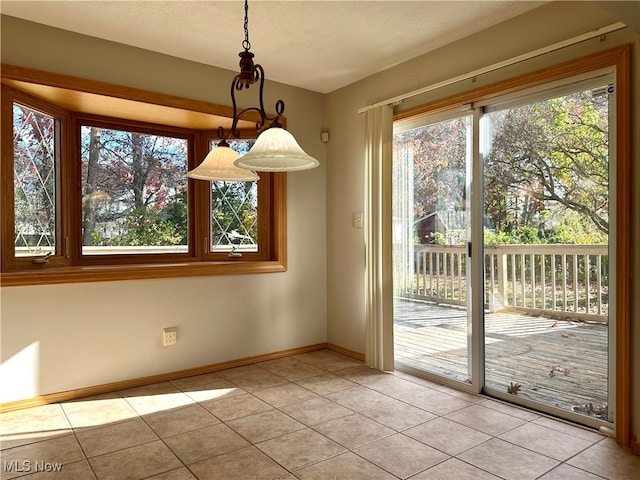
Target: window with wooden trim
(92, 193)
(235, 212)
(35, 192)
(133, 193)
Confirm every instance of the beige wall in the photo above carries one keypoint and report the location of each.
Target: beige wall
(57, 338)
(345, 162)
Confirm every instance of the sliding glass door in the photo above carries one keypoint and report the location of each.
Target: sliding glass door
(546, 246)
(528, 176)
(432, 161)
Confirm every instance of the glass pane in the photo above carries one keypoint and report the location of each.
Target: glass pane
(234, 211)
(34, 182)
(546, 206)
(134, 189)
(430, 219)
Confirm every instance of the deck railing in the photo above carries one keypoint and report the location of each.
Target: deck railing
(564, 281)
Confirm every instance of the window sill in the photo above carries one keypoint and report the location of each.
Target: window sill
(135, 272)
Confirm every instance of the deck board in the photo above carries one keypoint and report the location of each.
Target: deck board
(519, 348)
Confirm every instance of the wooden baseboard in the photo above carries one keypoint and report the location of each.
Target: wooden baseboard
(345, 351)
(635, 445)
(163, 377)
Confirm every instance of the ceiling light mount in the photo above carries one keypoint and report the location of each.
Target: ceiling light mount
(248, 74)
(251, 73)
(275, 149)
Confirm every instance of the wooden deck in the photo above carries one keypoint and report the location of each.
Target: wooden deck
(558, 363)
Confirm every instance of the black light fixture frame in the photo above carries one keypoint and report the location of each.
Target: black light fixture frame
(251, 73)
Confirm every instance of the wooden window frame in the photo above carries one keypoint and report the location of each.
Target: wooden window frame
(265, 201)
(192, 119)
(9, 260)
(75, 194)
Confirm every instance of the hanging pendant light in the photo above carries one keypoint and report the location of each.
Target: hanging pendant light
(218, 165)
(275, 149)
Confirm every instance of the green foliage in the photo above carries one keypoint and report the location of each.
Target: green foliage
(574, 230)
(175, 213)
(435, 155)
(527, 234)
(134, 188)
(546, 172)
(438, 238)
(142, 227)
(522, 235)
(493, 239)
(547, 159)
(145, 227)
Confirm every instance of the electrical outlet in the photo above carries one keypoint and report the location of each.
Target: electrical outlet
(169, 336)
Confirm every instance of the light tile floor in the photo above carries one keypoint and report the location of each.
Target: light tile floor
(317, 415)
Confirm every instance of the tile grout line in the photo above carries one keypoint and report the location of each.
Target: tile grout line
(73, 430)
(356, 383)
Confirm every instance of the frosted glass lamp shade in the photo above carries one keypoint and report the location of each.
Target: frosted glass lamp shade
(218, 166)
(276, 150)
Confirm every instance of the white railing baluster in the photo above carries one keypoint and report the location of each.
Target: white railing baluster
(430, 275)
(492, 291)
(543, 279)
(513, 280)
(454, 275)
(522, 280)
(502, 278)
(452, 268)
(575, 282)
(564, 282)
(553, 283)
(444, 271)
(424, 273)
(599, 299)
(437, 271)
(533, 279)
(587, 281)
(438, 275)
(459, 280)
(417, 281)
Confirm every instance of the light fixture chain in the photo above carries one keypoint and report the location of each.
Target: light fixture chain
(288, 155)
(246, 44)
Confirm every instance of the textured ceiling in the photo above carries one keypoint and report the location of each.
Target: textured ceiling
(317, 45)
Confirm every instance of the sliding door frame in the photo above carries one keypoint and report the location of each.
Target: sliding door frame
(620, 59)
